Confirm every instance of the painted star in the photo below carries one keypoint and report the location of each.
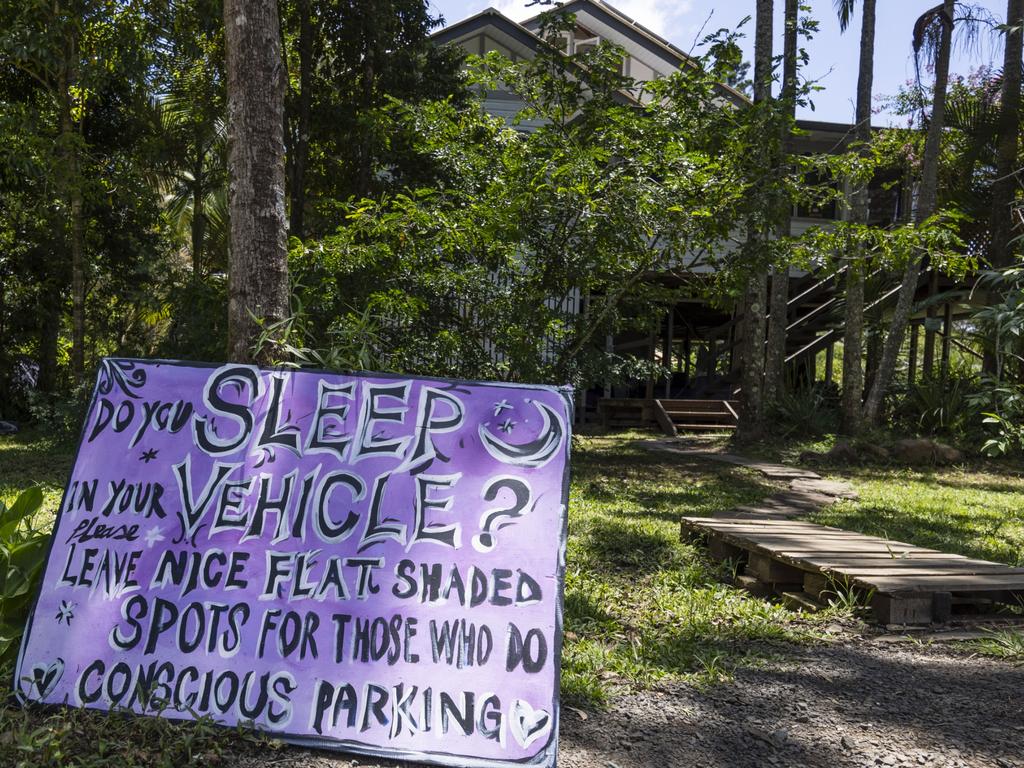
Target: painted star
(507, 426)
(66, 612)
(152, 536)
(148, 456)
(502, 406)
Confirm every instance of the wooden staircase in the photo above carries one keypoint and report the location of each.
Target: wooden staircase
(696, 415)
(672, 416)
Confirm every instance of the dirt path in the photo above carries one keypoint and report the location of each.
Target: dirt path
(859, 704)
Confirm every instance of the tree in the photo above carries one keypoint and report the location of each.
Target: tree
(933, 33)
(1007, 183)
(348, 59)
(77, 53)
(189, 109)
(754, 297)
(542, 242)
(258, 255)
(778, 317)
(853, 328)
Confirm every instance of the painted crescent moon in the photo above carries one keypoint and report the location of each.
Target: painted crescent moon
(535, 453)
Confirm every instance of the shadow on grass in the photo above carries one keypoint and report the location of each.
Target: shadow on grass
(954, 532)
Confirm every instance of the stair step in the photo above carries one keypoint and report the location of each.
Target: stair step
(706, 427)
(700, 415)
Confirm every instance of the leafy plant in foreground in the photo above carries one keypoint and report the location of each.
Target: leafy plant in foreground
(22, 553)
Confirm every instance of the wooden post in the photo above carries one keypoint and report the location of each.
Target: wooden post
(947, 330)
(609, 347)
(649, 389)
(687, 352)
(830, 353)
(912, 362)
(667, 355)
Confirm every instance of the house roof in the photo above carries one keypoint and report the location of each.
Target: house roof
(492, 19)
(638, 33)
(633, 30)
(489, 17)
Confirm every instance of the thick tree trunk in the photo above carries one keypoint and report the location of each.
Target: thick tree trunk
(258, 258)
(1007, 184)
(775, 354)
(751, 422)
(853, 336)
(775, 350)
(853, 328)
(300, 152)
(753, 344)
(926, 206)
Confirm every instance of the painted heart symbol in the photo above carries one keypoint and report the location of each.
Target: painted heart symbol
(528, 724)
(46, 676)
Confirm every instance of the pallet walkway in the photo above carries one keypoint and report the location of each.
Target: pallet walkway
(904, 583)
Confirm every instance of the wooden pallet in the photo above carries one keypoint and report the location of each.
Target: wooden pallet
(904, 583)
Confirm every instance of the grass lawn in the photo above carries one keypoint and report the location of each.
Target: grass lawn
(31, 458)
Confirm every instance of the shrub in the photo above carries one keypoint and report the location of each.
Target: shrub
(807, 411)
(61, 414)
(22, 554)
(943, 407)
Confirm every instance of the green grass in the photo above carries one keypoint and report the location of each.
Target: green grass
(32, 458)
(640, 605)
(62, 738)
(1007, 644)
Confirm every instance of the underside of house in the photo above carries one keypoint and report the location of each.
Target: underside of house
(698, 342)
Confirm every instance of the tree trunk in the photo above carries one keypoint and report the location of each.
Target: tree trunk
(775, 355)
(926, 206)
(752, 354)
(853, 327)
(49, 332)
(300, 152)
(258, 258)
(1006, 185)
(753, 343)
(853, 337)
(72, 183)
(198, 228)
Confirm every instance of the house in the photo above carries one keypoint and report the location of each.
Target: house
(697, 342)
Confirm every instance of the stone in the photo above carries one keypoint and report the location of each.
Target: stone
(917, 451)
(834, 488)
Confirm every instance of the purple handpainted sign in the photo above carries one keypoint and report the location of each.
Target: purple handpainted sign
(365, 563)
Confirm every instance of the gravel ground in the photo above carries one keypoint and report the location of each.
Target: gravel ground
(859, 704)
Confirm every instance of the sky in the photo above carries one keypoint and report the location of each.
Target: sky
(833, 55)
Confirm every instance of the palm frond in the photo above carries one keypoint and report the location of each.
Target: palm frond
(845, 10)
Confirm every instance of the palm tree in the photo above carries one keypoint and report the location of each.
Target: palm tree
(192, 180)
(933, 34)
(853, 331)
